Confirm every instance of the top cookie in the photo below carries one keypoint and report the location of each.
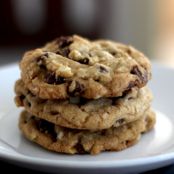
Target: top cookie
(75, 66)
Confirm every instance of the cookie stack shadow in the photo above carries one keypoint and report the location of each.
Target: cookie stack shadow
(84, 96)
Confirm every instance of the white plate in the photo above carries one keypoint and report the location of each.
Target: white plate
(155, 149)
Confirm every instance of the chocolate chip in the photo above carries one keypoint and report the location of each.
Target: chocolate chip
(128, 142)
(64, 41)
(45, 55)
(32, 117)
(64, 52)
(80, 149)
(129, 51)
(136, 71)
(120, 121)
(84, 61)
(20, 100)
(63, 45)
(97, 80)
(103, 132)
(130, 86)
(22, 97)
(77, 89)
(143, 78)
(114, 99)
(51, 78)
(54, 112)
(42, 66)
(113, 53)
(126, 92)
(45, 126)
(103, 69)
(41, 59)
(28, 104)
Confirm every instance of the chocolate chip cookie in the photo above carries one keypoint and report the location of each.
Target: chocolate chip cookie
(64, 140)
(77, 67)
(80, 113)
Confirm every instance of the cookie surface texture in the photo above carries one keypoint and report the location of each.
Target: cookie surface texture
(74, 66)
(64, 140)
(79, 113)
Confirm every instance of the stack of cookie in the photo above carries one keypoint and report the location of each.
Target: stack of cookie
(84, 96)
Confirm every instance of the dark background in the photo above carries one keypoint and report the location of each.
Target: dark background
(27, 24)
(148, 25)
(51, 23)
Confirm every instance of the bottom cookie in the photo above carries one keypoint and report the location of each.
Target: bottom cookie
(72, 141)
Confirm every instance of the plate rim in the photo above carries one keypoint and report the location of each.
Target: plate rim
(90, 164)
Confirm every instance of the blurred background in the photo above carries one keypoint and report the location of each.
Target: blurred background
(148, 25)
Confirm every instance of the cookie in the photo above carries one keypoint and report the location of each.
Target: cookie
(80, 113)
(64, 140)
(74, 66)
